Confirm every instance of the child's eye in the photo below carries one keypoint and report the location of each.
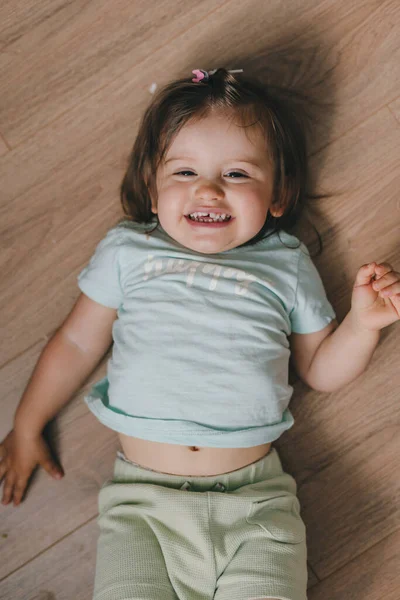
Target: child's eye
(237, 173)
(228, 174)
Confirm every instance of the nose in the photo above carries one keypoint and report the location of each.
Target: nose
(208, 190)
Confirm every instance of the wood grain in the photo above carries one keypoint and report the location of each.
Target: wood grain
(74, 80)
(374, 575)
(77, 50)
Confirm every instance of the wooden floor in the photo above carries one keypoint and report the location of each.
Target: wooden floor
(74, 80)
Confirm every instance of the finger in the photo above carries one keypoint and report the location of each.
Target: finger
(365, 273)
(372, 271)
(3, 451)
(52, 468)
(391, 290)
(19, 488)
(8, 488)
(386, 280)
(3, 469)
(382, 269)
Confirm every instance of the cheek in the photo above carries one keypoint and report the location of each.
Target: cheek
(173, 196)
(254, 206)
(170, 203)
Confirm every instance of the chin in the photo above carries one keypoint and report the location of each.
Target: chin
(212, 249)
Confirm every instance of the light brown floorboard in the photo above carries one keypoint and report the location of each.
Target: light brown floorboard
(100, 59)
(375, 575)
(64, 572)
(345, 463)
(328, 426)
(366, 63)
(19, 17)
(77, 50)
(312, 578)
(395, 108)
(74, 111)
(44, 153)
(353, 504)
(52, 509)
(3, 146)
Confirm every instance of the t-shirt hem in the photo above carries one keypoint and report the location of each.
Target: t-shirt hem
(191, 436)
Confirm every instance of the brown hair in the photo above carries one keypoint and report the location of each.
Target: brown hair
(269, 107)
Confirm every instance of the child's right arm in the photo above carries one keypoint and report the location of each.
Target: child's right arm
(64, 365)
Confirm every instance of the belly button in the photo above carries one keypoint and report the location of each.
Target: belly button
(193, 448)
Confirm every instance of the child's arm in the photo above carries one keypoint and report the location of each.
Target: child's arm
(64, 365)
(339, 359)
(343, 354)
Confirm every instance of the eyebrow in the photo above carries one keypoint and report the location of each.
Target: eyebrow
(247, 160)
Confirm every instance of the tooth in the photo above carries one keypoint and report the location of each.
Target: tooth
(212, 216)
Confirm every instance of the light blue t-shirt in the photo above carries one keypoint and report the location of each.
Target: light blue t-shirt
(201, 354)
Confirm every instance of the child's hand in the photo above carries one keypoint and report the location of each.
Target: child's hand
(19, 456)
(375, 302)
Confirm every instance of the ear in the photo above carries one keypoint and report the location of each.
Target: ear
(153, 202)
(276, 210)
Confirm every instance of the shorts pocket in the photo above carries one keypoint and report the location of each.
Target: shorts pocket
(280, 518)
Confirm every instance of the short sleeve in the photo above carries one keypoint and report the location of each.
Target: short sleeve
(100, 279)
(312, 310)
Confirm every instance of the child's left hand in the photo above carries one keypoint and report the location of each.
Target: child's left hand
(371, 306)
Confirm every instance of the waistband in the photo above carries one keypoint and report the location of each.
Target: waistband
(267, 467)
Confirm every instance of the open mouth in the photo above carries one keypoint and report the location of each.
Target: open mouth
(208, 223)
(211, 217)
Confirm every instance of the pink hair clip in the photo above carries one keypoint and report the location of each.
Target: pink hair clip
(202, 75)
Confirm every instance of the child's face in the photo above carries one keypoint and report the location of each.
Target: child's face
(214, 156)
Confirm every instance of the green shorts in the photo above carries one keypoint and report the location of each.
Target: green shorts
(235, 536)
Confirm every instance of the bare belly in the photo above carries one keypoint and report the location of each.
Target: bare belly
(191, 461)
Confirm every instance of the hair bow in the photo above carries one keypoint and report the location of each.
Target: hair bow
(202, 75)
